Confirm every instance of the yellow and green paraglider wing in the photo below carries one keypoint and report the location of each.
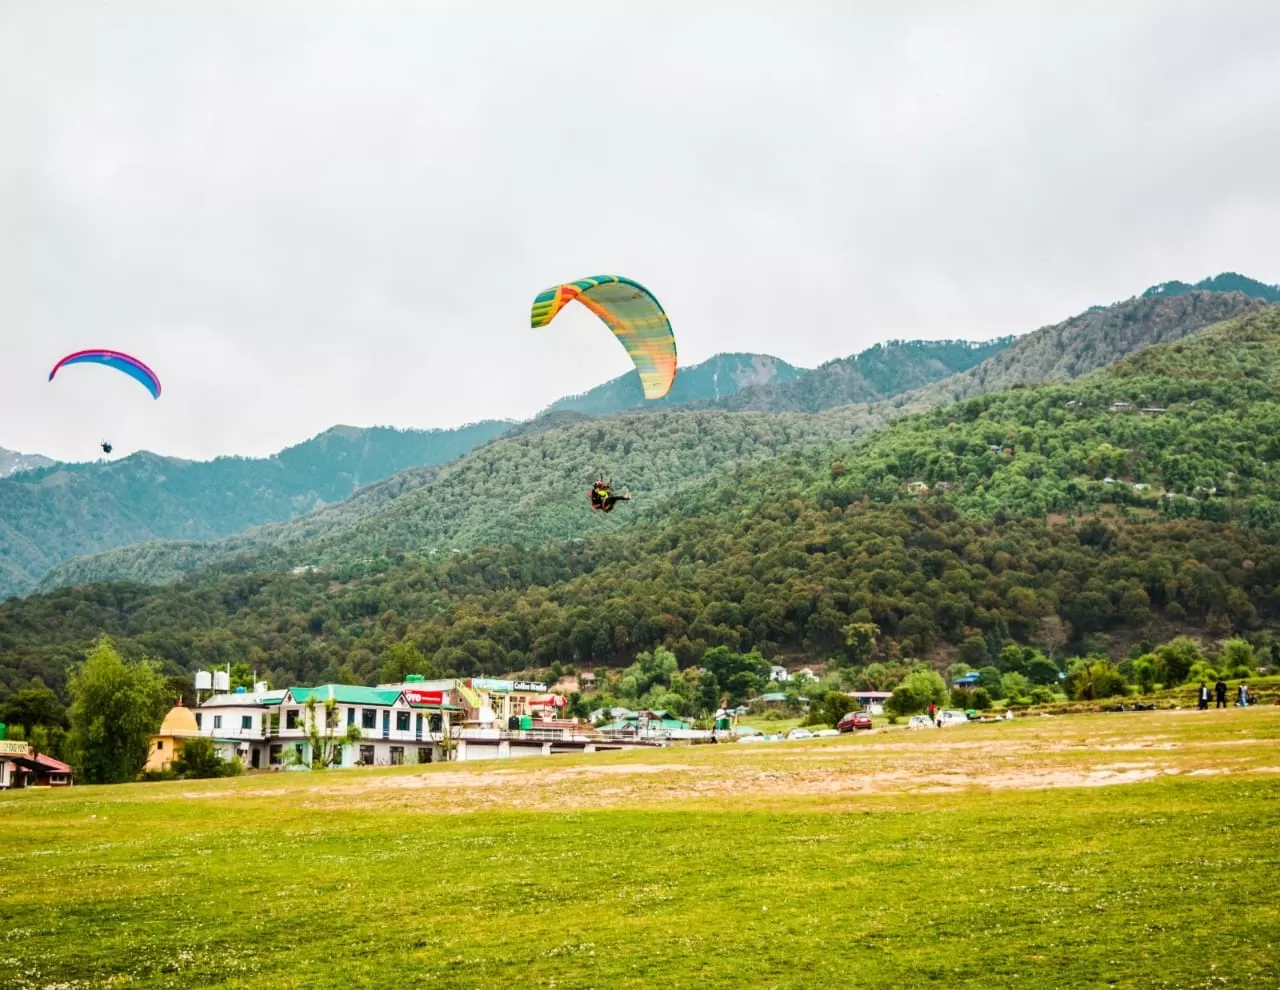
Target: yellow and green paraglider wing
(634, 316)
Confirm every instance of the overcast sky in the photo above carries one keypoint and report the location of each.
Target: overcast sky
(317, 213)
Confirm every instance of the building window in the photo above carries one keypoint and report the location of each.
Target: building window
(217, 721)
(332, 718)
(351, 716)
(297, 749)
(424, 754)
(273, 755)
(402, 721)
(159, 745)
(397, 756)
(199, 721)
(291, 718)
(337, 756)
(366, 755)
(246, 721)
(369, 718)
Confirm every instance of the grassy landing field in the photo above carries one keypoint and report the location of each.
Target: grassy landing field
(1134, 850)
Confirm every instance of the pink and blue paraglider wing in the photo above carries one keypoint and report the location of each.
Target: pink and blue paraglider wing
(131, 366)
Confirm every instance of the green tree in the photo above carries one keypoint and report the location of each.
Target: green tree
(199, 759)
(401, 659)
(1177, 657)
(1238, 658)
(115, 707)
(1042, 670)
(830, 708)
(989, 678)
(34, 705)
(241, 676)
(325, 734)
(918, 690)
(1094, 680)
(738, 674)
(1015, 687)
(860, 640)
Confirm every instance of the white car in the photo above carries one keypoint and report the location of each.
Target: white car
(825, 733)
(798, 733)
(752, 739)
(920, 722)
(952, 716)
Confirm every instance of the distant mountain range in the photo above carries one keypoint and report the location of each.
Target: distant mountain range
(58, 511)
(353, 494)
(11, 462)
(722, 375)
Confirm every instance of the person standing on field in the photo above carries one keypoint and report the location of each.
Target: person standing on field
(1204, 696)
(1220, 690)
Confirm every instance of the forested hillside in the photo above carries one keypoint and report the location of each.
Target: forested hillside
(508, 493)
(528, 487)
(67, 510)
(721, 375)
(1005, 518)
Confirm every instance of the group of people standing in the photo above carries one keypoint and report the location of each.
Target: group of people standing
(1243, 698)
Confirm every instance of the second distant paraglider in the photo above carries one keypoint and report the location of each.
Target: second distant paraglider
(125, 363)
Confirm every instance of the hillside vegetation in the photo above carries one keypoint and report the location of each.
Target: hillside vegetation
(528, 488)
(67, 510)
(515, 492)
(1027, 542)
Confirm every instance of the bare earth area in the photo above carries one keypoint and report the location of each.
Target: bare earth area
(1031, 754)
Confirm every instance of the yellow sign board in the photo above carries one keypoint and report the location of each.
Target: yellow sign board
(13, 747)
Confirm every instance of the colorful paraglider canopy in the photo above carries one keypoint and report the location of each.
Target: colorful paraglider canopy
(632, 313)
(131, 366)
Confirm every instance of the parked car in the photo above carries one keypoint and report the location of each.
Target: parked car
(920, 722)
(952, 716)
(752, 739)
(823, 733)
(853, 721)
(799, 733)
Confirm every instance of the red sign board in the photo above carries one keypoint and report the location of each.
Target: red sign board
(424, 697)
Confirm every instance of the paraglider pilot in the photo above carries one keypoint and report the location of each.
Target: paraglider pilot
(106, 446)
(603, 498)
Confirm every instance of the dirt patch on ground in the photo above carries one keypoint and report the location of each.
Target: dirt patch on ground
(1031, 755)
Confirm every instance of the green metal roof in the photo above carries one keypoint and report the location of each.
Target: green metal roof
(344, 694)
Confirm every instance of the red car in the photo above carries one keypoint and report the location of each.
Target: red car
(854, 720)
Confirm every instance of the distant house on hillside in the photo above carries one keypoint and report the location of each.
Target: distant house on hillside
(968, 680)
(773, 699)
(779, 674)
(1121, 406)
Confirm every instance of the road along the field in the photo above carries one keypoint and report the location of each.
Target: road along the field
(1133, 850)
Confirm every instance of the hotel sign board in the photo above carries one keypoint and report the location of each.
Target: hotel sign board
(415, 697)
(14, 747)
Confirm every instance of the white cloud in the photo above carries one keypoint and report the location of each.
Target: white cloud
(304, 214)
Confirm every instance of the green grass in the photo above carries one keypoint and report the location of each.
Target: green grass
(960, 857)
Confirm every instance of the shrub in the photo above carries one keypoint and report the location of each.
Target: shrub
(980, 699)
(1041, 695)
(1095, 680)
(916, 692)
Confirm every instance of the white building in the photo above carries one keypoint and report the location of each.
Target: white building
(411, 722)
(779, 674)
